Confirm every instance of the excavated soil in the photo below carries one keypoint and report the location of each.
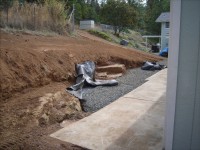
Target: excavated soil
(35, 70)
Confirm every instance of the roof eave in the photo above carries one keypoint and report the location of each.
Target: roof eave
(162, 21)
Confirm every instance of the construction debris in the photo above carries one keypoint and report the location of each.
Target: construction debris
(85, 78)
(152, 66)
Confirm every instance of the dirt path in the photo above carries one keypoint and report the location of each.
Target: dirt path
(35, 70)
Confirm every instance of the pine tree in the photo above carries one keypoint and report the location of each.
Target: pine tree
(153, 10)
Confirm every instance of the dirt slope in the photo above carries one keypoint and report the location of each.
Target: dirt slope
(33, 61)
(35, 70)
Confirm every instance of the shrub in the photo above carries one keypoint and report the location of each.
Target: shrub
(100, 34)
(49, 16)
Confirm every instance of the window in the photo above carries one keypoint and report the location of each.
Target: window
(167, 25)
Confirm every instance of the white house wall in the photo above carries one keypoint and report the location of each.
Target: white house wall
(184, 78)
(164, 33)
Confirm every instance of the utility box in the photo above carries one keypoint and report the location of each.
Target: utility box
(87, 24)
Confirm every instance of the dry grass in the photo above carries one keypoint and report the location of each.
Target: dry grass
(50, 16)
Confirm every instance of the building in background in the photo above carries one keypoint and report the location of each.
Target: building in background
(87, 24)
(164, 19)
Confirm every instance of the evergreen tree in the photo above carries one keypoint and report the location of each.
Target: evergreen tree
(119, 14)
(5, 4)
(153, 10)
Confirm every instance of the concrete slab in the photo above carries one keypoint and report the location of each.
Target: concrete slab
(145, 134)
(151, 90)
(127, 123)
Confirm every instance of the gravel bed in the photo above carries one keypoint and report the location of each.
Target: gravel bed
(100, 96)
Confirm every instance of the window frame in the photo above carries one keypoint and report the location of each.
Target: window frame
(167, 25)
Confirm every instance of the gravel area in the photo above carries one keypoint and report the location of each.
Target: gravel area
(100, 96)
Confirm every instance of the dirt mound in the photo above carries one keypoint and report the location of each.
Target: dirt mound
(33, 61)
(35, 70)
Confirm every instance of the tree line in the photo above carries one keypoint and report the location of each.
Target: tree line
(121, 14)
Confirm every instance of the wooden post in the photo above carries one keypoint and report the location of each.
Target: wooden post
(160, 44)
(7, 14)
(146, 43)
(34, 16)
(73, 24)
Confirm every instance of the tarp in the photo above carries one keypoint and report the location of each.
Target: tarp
(152, 66)
(86, 78)
(164, 52)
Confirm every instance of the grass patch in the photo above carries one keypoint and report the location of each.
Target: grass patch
(100, 34)
(135, 38)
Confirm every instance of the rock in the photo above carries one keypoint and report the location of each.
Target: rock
(55, 107)
(56, 115)
(71, 55)
(44, 120)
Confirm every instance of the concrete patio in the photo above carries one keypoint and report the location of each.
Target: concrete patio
(134, 121)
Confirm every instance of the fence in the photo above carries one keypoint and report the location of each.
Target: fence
(34, 17)
(106, 27)
(161, 38)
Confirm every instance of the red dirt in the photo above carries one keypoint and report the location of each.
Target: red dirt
(32, 66)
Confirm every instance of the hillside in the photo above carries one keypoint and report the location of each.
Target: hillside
(35, 70)
(134, 38)
(32, 61)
